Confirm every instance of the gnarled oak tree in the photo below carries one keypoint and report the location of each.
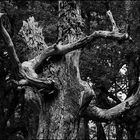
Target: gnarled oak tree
(64, 98)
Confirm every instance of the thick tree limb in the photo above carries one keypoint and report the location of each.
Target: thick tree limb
(93, 112)
(27, 69)
(30, 77)
(59, 49)
(10, 46)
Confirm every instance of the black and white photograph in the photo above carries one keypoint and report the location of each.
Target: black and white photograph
(69, 69)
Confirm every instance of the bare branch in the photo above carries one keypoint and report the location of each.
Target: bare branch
(118, 110)
(114, 26)
(10, 46)
(27, 69)
(63, 49)
(29, 75)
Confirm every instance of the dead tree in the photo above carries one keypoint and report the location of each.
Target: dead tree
(66, 97)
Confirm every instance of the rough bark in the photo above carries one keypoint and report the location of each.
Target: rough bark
(62, 122)
(109, 114)
(60, 113)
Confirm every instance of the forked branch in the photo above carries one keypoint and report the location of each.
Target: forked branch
(57, 49)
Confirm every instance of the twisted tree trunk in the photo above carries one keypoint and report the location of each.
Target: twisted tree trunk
(58, 118)
(63, 97)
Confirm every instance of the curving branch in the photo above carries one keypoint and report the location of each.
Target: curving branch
(29, 78)
(97, 113)
(9, 45)
(59, 49)
(27, 69)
